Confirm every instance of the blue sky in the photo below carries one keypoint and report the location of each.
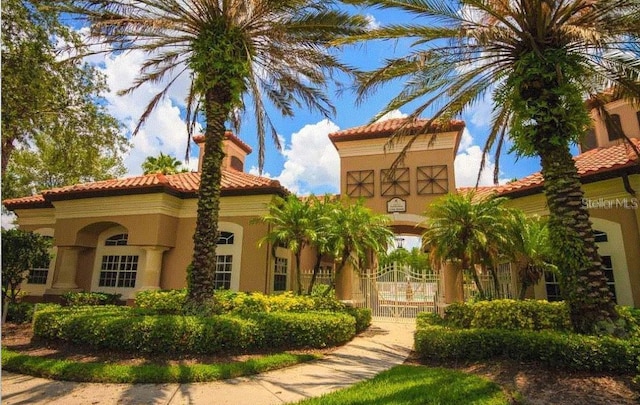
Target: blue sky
(308, 162)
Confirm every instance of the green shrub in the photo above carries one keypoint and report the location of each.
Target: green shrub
(509, 314)
(428, 318)
(162, 302)
(21, 312)
(128, 329)
(362, 317)
(90, 298)
(552, 348)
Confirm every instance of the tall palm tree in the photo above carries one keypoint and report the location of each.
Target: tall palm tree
(164, 164)
(291, 224)
(237, 52)
(321, 209)
(538, 60)
(465, 231)
(356, 232)
(529, 248)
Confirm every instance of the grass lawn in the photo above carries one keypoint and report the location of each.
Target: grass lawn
(146, 373)
(409, 385)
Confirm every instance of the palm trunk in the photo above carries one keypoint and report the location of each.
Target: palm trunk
(298, 275)
(201, 283)
(582, 281)
(467, 265)
(316, 269)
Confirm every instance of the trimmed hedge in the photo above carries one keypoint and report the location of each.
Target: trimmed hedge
(554, 349)
(121, 328)
(21, 312)
(90, 298)
(509, 314)
(248, 304)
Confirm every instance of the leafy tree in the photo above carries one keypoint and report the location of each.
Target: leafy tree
(21, 251)
(292, 225)
(538, 59)
(55, 129)
(466, 231)
(320, 214)
(238, 52)
(414, 258)
(529, 248)
(164, 164)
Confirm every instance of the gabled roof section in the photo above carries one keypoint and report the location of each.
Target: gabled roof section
(230, 136)
(385, 129)
(592, 165)
(182, 185)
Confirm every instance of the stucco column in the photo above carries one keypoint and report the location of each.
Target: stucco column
(344, 283)
(66, 268)
(152, 268)
(453, 283)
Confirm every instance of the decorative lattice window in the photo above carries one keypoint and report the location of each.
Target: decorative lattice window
(118, 271)
(360, 183)
(225, 238)
(224, 264)
(432, 179)
(394, 182)
(117, 240)
(280, 274)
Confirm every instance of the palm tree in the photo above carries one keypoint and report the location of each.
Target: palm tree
(529, 248)
(355, 233)
(467, 232)
(237, 52)
(538, 60)
(164, 164)
(292, 225)
(320, 213)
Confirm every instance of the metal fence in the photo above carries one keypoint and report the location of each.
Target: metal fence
(506, 284)
(397, 292)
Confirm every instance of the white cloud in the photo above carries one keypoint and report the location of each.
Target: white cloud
(311, 161)
(165, 129)
(467, 164)
(372, 23)
(391, 115)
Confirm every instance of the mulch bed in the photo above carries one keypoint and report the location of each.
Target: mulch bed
(538, 385)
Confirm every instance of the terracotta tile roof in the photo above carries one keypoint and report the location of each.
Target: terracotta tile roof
(386, 128)
(591, 163)
(181, 184)
(230, 136)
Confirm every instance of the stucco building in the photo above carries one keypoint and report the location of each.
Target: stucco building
(126, 235)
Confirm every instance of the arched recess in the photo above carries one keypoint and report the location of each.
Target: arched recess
(118, 267)
(229, 256)
(610, 244)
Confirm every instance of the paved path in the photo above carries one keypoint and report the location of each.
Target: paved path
(381, 347)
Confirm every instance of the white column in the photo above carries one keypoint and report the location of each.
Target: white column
(152, 268)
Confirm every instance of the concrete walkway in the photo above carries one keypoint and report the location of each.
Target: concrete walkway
(381, 347)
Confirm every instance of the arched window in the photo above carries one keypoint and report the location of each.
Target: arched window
(225, 238)
(117, 240)
(237, 164)
(614, 127)
(118, 269)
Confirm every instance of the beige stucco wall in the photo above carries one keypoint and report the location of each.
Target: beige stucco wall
(374, 154)
(619, 217)
(628, 120)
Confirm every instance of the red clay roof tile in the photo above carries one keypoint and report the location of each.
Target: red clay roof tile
(230, 136)
(386, 128)
(590, 163)
(181, 183)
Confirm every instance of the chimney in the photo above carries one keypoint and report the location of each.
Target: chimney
(235, 151)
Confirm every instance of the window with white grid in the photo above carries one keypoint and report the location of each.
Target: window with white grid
(224, 265)
(280, 274)
(118, 271)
